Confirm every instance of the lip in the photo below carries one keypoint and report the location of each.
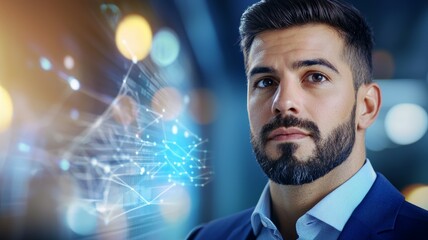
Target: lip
(287, 134)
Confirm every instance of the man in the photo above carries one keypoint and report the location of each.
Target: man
(310, 100)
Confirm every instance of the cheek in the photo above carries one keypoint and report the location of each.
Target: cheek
(257, 117)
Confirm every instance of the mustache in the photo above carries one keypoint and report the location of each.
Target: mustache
(290, 121)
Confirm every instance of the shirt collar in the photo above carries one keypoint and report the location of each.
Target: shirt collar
(261, 211)
(347, 196)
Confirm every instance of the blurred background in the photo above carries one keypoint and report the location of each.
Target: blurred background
(127, 119)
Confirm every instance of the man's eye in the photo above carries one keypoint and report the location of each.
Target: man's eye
(316, 78)
(264, 83)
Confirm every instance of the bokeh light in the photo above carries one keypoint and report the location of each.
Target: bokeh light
(176, 204)
(202, 106)
(166, 47)
(80, 218)
(168, 102)
(125, 110)
(6, 109)
(64, 164)
(45, 64)
(406, 123)
(74, 83)
(68, 62)
(134, 37)
(417, 194)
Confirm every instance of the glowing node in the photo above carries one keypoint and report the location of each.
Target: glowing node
(125, 110)
(74, 83)
(142, 170)
(6, 109)
(64, 165)
(94, 162)
(107, 169)
(23, 147)
(170, 100)
(406, 123)
(45, 64)
(174, 129)
(68, 62)
(186, 134)
(74, 114)
(166, 47)
(80, 220)
(134, 37)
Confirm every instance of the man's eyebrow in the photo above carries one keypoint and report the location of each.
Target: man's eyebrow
(258, 70)
(312, 62)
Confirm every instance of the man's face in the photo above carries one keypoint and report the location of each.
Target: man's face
(301, 103)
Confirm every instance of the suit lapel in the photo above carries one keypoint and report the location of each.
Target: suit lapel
(376, 213)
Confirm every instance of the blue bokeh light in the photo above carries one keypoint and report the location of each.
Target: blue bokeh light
(45, 64)
(166, 47)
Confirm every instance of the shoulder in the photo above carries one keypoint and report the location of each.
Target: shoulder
(411, 217)
(231, 227)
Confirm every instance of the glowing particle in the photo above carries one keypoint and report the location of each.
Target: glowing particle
(6, 109)
(68, 62)
(166, 47)
(74, 114)
(23, 147)
(186, 134)
(64, 165)
(74, 83)
(45, 64)
(406, 123)
(106, 169)
(94, 161)
(174, 129)
(142, 170)
(134, 37)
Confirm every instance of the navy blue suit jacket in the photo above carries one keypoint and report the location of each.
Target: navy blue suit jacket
(383, 214)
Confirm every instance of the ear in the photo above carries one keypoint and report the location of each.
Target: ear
(369, 102)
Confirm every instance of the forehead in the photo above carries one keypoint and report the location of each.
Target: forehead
(303, 42)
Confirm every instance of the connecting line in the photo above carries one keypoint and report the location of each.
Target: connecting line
(128, 187)
(130, 210)
(163, 192)
(172, 165)
(157, 170)
(187, 130)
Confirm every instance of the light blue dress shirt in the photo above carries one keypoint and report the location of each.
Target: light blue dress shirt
(327, 218)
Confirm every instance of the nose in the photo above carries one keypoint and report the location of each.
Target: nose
(287, 99)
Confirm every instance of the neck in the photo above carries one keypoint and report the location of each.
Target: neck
(290, 202)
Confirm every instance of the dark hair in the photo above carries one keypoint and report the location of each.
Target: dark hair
(347, 20)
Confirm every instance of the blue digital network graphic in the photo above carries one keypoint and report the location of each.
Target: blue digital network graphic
(98, 142)
(131, 158)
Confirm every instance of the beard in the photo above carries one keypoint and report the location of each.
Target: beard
(329, 152)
